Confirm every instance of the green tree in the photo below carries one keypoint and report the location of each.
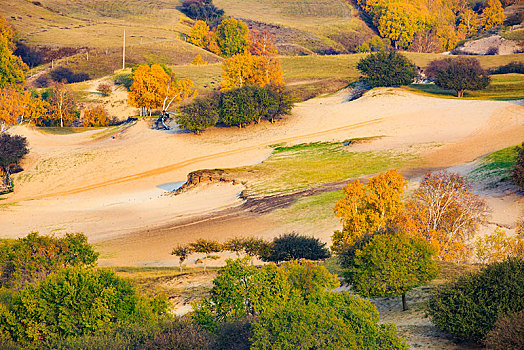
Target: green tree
(327, 320)
(199, 115)
(459, 74)
(387, 69)
(391, 265)
(232, 37)
(241, 290)
(75, 302)
(206, 247)
(292, 246)
(32, 258)
(12, 150)
(182, 252)
(469, 307)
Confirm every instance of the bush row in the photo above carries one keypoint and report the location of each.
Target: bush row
(237, 107)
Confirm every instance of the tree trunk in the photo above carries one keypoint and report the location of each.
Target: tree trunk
(460, 93)
(404, 304)
(180, 265)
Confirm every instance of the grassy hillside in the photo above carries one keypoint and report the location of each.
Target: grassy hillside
(325, 23)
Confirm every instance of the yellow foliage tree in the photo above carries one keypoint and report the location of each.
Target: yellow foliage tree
(246, 69)
(12, 68)
(469, 22)
(38, 111)
(492, 15)
(366, 209)
(199, 34)
(154, 88)
(198, 61)
(498, 246)
(398, 22)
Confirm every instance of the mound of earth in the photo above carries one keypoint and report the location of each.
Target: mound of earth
(492, 45)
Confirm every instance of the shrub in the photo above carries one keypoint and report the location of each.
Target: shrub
(29, 55)
(512, 67)
(518, 169)
(459, 74)
(65, 75)
(75, 302)
(43, 81)
(32, 258)
(124, 79)
(469, 307)
(199, 115)
(202, 10)
(387, 69)
(104, 89)
(508, 333)
(292, 246)
(180, 334)
(329, 320)
(234, 335)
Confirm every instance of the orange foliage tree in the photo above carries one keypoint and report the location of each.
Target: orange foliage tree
(246, 69)
(366, 209)
(446, 212)
(95, 116)
(262, 43)
(13, 105)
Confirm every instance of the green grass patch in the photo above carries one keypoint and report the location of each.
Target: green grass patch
(66, 130)
(312, 209)
(496, 166)
(503, 87)
(517, 34)
(305, 166)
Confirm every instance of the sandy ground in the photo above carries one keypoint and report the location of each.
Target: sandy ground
(112, 184)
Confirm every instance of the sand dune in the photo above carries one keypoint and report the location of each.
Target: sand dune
(110, 183)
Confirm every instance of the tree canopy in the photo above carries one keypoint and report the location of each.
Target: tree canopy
(12, 68)
(391, 265)
(232, 37)
(459, 74)
(12, 150)
(387, 69)
(292, 246)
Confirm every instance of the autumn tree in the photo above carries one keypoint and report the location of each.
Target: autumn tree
(445, 211)
(459, 74)
(13, 106)
(200, 34)
(182, 252)
(63, 103)
(262, 43)
(232, 37)
(387, 69)
(95, 116)
(198, 61)
(154, 87)
(366, 209)
(469, 22)
(391, 265)
(497, 246)
(492, 14)
(246, 69)
(398, 21)
(12, 150)
(12, 68)
(206, 247)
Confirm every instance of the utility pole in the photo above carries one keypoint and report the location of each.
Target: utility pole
(124, 52)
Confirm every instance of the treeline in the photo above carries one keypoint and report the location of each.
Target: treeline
(430, 26)
(237, 107)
